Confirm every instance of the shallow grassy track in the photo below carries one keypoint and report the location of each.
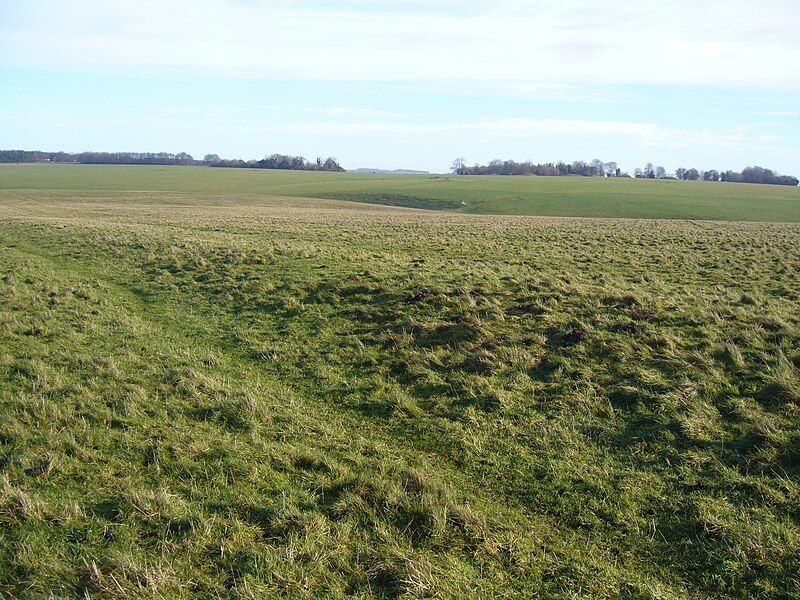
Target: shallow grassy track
(234, 396)
(545, 196)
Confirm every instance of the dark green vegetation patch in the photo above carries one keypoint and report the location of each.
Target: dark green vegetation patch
(239, 397)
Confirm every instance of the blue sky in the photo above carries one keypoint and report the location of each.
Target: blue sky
(408, 84)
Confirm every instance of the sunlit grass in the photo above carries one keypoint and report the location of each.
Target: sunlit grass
(544, 196)
(250, 397)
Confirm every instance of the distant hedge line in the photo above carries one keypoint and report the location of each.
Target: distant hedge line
(274, 161)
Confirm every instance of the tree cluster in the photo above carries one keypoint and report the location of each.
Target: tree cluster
(748, 175)
(595, 168)
(276, 161)
(651, 172)
(759, 175)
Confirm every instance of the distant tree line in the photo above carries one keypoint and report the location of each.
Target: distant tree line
(97, 158)
(274, 161)
(748, 175)
(598, 168)
(595, 168)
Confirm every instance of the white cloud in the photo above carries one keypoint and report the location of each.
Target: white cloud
(342, 111)
(644, 134)
(531, 44)
(778, 113)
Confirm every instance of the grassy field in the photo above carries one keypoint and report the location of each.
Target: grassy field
(545, 196)
(212, 395)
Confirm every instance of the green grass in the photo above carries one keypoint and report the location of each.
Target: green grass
(545, 196)
(248, 397)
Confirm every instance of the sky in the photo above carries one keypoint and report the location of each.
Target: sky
(411, 84)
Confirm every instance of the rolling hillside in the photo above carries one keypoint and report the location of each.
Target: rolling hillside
(544, 196)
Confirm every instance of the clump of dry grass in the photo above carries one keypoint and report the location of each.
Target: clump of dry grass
(17, 505)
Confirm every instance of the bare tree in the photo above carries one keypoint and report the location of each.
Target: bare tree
(458, 165)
